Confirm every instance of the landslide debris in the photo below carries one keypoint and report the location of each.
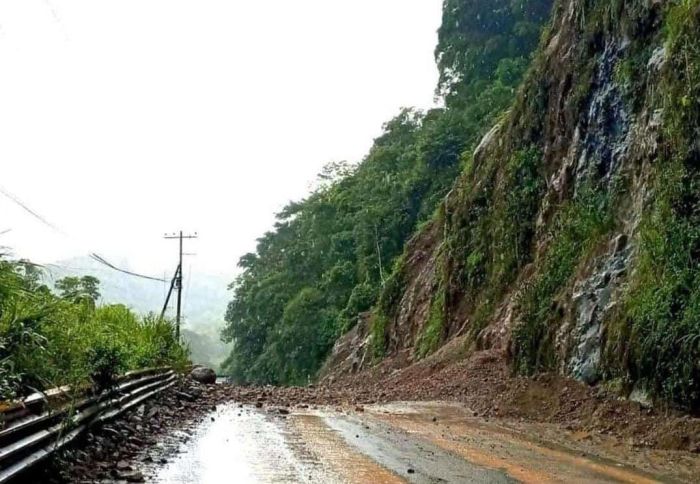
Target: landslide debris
(482, 383)
(108, 453)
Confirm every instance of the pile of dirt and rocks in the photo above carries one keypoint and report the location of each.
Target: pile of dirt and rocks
(107, 453)
(482, 383)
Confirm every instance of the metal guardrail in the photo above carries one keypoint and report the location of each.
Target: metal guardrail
(36, 427)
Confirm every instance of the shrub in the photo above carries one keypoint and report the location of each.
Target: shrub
(105, 360)
(48, 341)
(577, 228)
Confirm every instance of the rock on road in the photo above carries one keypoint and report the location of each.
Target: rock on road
(416, 443)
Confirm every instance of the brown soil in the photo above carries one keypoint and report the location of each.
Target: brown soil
(555, 409)
(552, 409)
(483, 383)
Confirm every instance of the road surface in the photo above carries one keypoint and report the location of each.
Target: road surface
(400, 443)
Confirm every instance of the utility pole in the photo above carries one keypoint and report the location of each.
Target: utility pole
(170, 292)
(177, 280)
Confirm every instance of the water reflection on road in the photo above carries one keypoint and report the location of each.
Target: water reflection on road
(238, 446)
(416, 443)
(245, 445)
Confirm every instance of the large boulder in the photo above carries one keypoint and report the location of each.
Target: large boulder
(203, 375)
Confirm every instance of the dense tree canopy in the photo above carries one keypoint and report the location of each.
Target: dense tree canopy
(86, 288)
(329, 255)
(482, 39)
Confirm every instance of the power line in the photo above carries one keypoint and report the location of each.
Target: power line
(93, 256)
(66, 268)
(101, 260)
(19, 202)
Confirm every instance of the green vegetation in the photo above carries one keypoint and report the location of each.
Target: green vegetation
(433, 333)
(331, 255)
(77, 289)
(576, 229)
(387, 305)
(656, 340)
(504, 234)
(490, 233)
(48, 340)
(207, 296)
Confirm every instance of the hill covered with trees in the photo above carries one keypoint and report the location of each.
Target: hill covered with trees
(331, 254)
(546, 219)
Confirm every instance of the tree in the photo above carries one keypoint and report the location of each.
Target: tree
(330, 254)
(78, 289)
(476, 35)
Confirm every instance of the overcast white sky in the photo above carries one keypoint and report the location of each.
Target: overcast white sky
(123, 119)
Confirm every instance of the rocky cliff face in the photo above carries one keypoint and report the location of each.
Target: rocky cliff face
(570, 243)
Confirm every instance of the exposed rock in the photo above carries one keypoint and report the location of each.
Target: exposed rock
(487, 141)
(132, 476)
(657, 59)
(641, 396)
(350, 351)
(606, 123)
(594, 118)
(592, 299)
(185, 396)
(204, 375)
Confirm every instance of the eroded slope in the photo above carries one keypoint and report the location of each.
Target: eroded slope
(570, 243)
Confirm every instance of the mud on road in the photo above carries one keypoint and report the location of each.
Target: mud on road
(403, 442)
(227, 434)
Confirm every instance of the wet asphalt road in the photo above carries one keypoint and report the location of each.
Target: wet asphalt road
(414, 443)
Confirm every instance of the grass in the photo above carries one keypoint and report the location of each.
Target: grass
(387, 306)
(576, 229)
(433, 332)
(655, 340)
(47, 341)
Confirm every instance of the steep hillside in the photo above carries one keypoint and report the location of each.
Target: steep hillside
(330, 255)
(571, 240)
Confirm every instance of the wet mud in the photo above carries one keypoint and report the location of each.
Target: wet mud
(404, 442)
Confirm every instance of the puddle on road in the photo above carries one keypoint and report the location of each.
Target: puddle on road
(414, 443)
(241, 446)
(245, 445)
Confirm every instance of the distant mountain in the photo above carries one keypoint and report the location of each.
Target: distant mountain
(204, 301)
